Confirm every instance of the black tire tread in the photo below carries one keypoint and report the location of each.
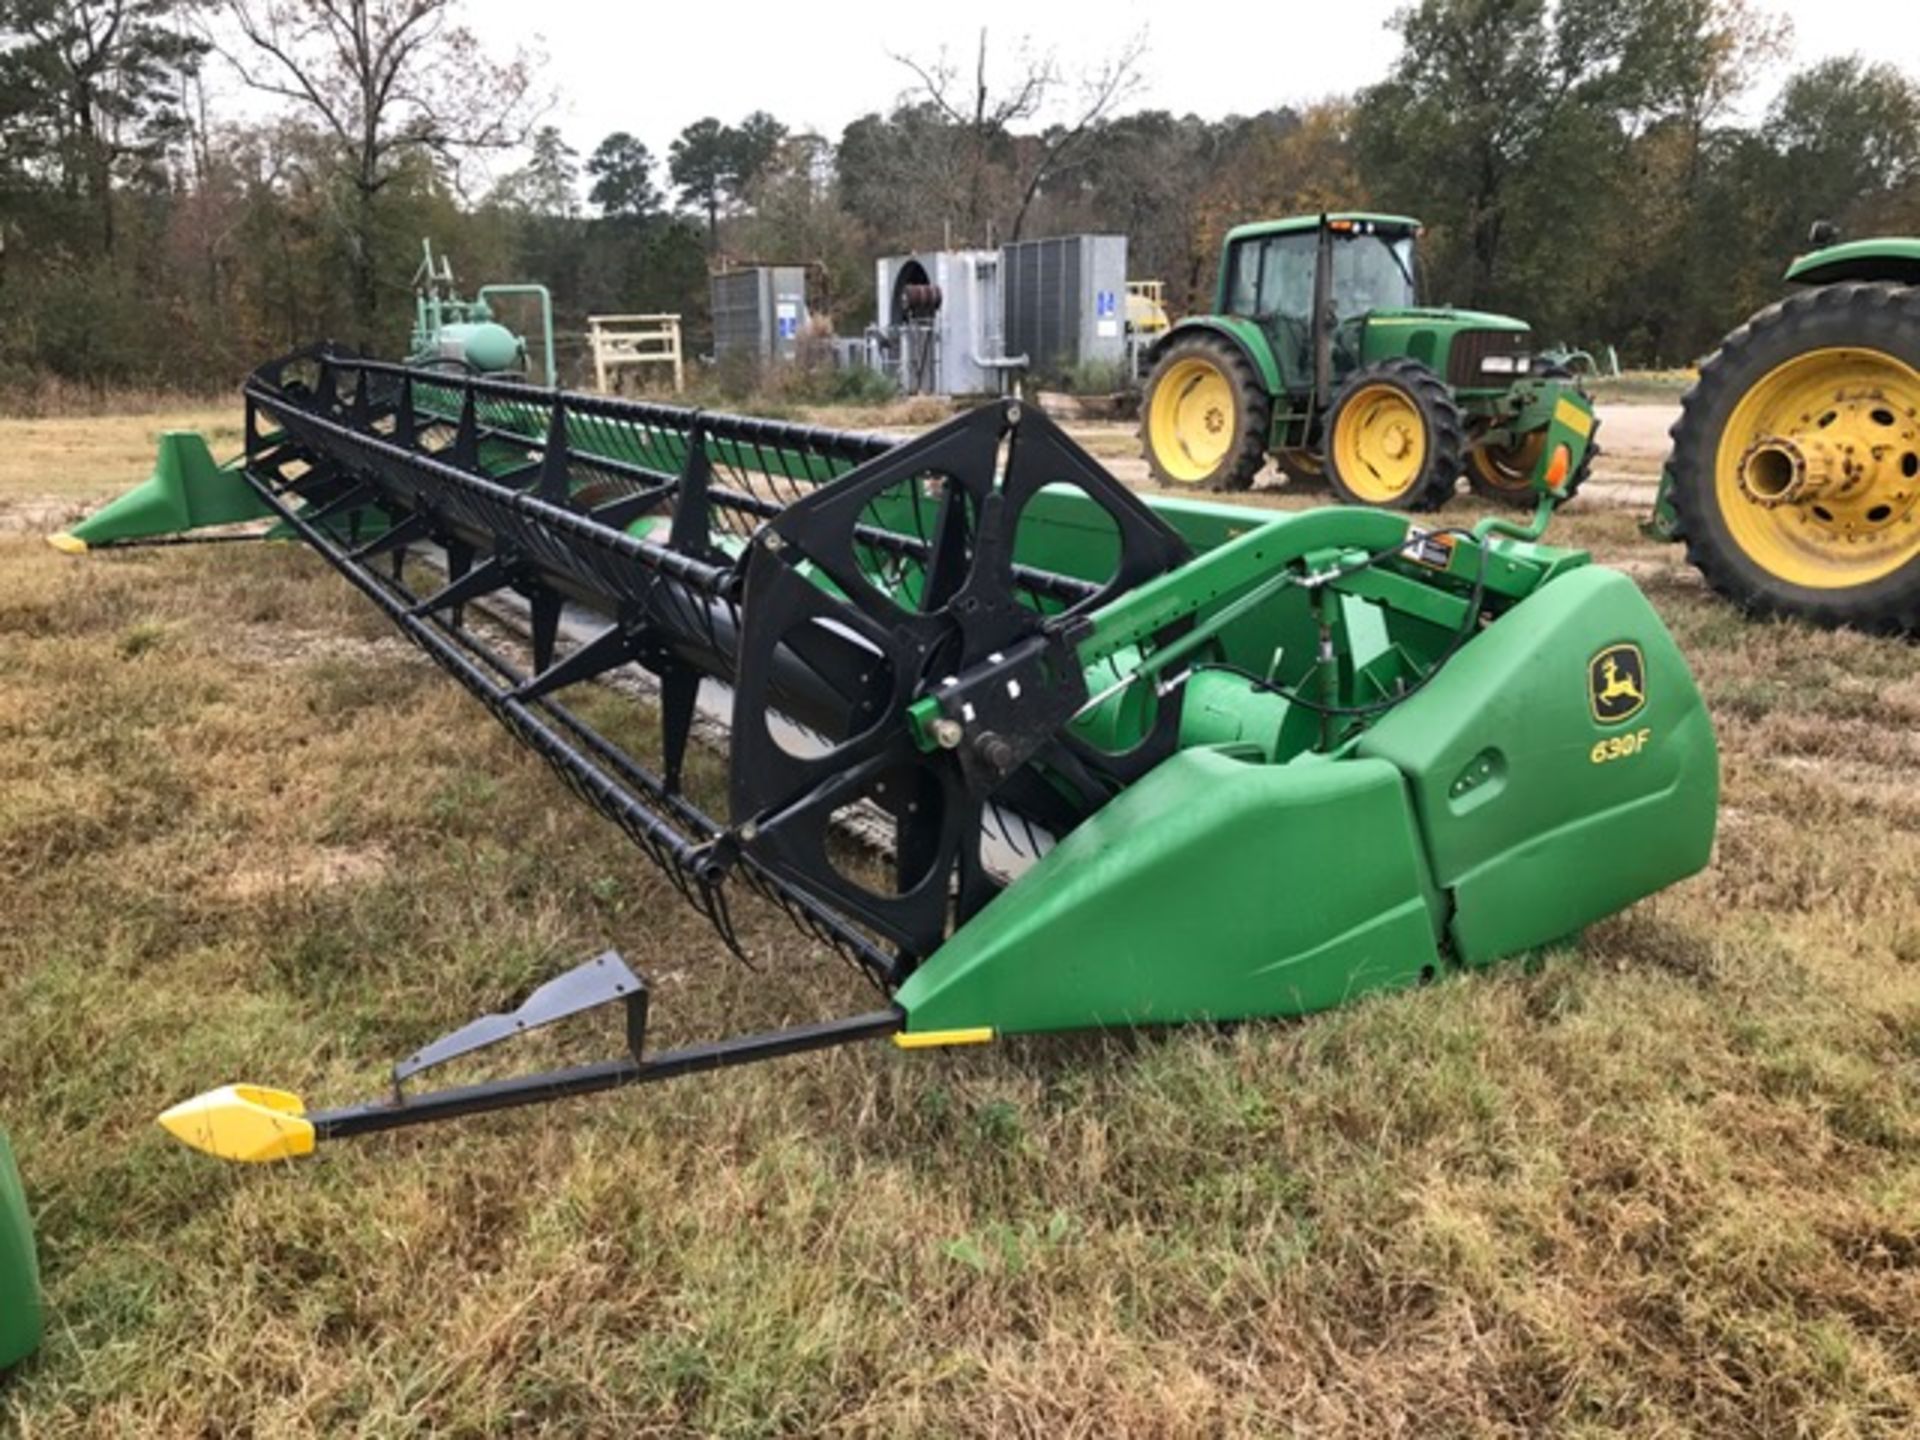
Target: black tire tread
(1874, 314)
(1253, 411)
(1446, 432)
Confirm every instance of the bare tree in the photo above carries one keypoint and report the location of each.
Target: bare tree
(384, 80)
(985, 118)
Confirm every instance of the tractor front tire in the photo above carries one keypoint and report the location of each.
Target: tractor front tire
(1204, 417)
(1394, 438)
(1796, 460)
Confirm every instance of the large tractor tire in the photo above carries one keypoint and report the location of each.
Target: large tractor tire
(1503, 474)
(1394, 438)
(1204, 416)
(1796, 460)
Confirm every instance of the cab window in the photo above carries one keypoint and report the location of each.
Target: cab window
(1271, 275)
(1372, 272)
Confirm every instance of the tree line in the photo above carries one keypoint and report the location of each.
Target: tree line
(1591, 165)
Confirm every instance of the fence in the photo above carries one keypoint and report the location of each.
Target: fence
(618, 341)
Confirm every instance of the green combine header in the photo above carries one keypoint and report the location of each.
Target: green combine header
(1118, 762)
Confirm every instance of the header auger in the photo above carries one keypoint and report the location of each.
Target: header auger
(1131, 763)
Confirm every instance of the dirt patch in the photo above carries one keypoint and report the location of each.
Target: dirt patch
(288, 645)
(41, 514)
(302, 869)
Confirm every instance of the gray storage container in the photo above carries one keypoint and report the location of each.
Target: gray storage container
(761, 311)
(1066, 302)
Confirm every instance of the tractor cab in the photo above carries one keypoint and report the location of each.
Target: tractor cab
(1271, 272)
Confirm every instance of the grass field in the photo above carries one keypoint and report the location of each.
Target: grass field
(1664, 1183)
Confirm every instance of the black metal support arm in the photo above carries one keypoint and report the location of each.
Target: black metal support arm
(462, 1100)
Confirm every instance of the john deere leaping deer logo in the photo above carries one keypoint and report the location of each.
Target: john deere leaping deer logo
(1617, 683)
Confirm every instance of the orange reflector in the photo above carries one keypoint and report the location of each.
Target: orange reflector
(1558, 466)
(1339, 224)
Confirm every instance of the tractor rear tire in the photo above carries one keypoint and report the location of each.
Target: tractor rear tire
(1796, 460)
(1504, 474)
(1394, 438)
(1204, 416)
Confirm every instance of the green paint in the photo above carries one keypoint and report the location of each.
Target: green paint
(1664, 522)
(1889, 257)
(1280, 861)
(186, 491)
(1214, 888)
(450, 330)
(1240, 331)
(1226, 572)
(539, 294)
(1308, 224)
(20, 1320)
(1374, 320)
(1250, 875)
(1552, 839)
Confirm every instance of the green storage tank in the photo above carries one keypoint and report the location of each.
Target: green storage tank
(19, 1275)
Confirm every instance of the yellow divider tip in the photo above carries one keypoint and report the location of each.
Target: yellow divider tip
(926, 1039)
(243, 1122)
(68, 544)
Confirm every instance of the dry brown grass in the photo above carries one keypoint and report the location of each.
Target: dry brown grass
(67, 458)
(1665, 1183)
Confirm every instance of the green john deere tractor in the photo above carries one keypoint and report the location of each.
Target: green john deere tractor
(1318, 353)
(1795, 473)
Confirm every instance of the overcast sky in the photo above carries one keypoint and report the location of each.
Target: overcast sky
(652, 68)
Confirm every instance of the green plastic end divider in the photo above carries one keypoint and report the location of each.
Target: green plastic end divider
(19, 1272)
(187, 491)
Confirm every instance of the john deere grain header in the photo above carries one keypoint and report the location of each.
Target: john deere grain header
(1127, 763)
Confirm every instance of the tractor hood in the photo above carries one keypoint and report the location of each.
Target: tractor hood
(1441, 316)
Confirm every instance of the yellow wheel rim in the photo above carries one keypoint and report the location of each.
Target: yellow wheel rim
(1380, 444)
(1192, 420)
(1818, 470)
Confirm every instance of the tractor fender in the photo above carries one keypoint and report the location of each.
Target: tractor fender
(1242, 333)
(1887, 257)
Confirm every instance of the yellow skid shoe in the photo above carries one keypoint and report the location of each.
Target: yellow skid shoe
(929, 1039)
(243, 1122)
(68, 544)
